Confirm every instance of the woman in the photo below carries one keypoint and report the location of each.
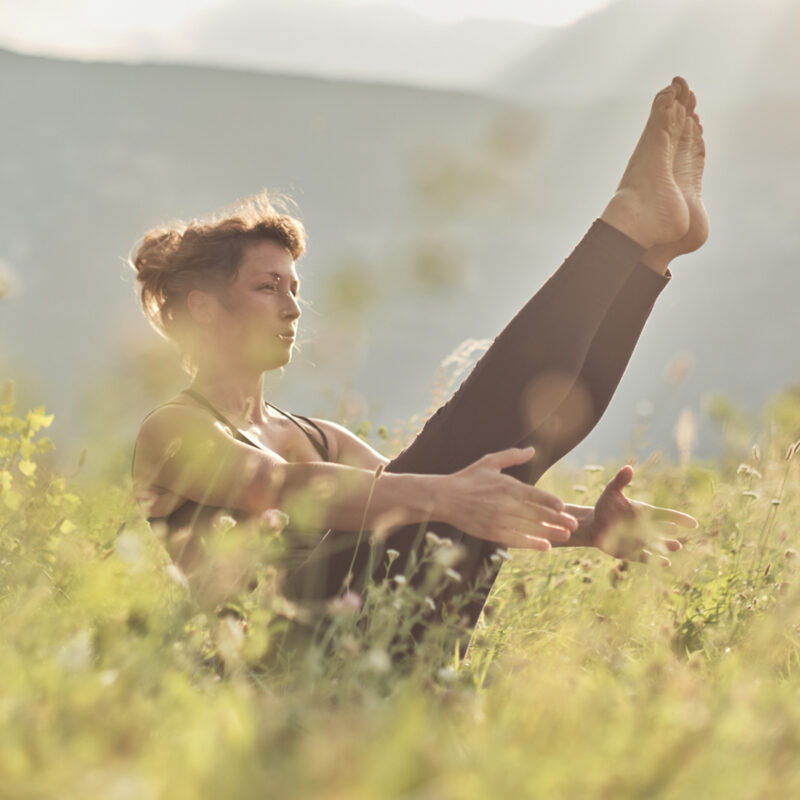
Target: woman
(227, 293)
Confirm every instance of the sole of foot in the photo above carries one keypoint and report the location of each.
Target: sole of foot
(688, 172)
(648, 205)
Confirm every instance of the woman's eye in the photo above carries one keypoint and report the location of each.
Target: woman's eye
(275, 288)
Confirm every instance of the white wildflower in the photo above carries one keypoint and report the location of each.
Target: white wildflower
(222, 522)
(377, 661)
(432, 539)
(449, 554)
(176, 573)
(77, 653)
(446, 675)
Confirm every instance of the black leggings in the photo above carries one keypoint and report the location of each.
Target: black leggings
(545, 381)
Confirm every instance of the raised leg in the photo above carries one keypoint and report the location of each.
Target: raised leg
(534, 365)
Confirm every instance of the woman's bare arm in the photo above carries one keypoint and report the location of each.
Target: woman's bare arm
(348, 448)
(183, 451)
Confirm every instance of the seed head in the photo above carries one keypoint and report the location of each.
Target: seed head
(432, 539)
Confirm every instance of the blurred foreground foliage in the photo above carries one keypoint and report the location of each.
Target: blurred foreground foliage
(586, 677)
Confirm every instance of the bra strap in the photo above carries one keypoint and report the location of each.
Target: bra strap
(220, 416)
(324, 453)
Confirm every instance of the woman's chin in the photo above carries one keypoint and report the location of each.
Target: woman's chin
(265, 358)
(276, 360)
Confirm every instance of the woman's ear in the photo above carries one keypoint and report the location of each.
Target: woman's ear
(202, 306)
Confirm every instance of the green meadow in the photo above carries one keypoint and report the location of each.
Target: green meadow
(587, 677)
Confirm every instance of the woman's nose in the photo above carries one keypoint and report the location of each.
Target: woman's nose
(292, 309)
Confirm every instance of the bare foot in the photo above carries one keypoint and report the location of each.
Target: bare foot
(648, 205)
(690, 160)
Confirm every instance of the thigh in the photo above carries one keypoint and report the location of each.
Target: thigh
(492, 409)
(532, 364)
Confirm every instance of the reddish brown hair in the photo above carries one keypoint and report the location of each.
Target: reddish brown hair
(175, 258)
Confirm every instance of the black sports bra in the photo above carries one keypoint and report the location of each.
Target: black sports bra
(321, 447)
(192, 514)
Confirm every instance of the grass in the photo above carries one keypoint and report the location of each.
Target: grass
(586, 677)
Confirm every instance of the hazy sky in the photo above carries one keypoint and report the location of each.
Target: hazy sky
(538, 12)
(97, 25)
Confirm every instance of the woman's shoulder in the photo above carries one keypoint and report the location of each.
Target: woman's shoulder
(176, 417)
(169, 411)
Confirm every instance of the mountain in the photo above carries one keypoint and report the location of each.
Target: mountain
(729, 51)
(732, 308)
(432, 217)
(382, 43)
(94, 154)
(321, 38)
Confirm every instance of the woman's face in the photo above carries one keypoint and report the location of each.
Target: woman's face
(264, 300)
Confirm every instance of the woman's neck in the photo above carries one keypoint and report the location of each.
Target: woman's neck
(238, 397)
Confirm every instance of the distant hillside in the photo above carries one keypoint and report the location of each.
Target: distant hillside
(357, 42)
(730, 50)
(335, 39)
(733, 305)
(92, 155)
(432, 218)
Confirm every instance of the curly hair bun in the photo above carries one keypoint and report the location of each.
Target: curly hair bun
(175, 258)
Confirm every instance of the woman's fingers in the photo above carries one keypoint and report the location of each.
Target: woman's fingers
(646, 555)
(518, 530)
(513, 538)
(542, 498)
(559, 519)
(660, 514)
(668, 542)
(542, 521)
(671, 544)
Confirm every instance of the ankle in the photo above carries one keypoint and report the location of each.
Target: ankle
(656, 259)
(621, 214)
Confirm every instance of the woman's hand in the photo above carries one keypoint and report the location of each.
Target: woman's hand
(499, 508)
(615, 526)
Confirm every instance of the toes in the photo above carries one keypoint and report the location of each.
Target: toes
(665, 97)
(697, 121)
(691, 103)
(682, 88)
(696, 127)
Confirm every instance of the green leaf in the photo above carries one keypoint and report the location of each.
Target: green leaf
(38, 419)
(45, 444)
(9, 396)
(12, 499)
(27, 467)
